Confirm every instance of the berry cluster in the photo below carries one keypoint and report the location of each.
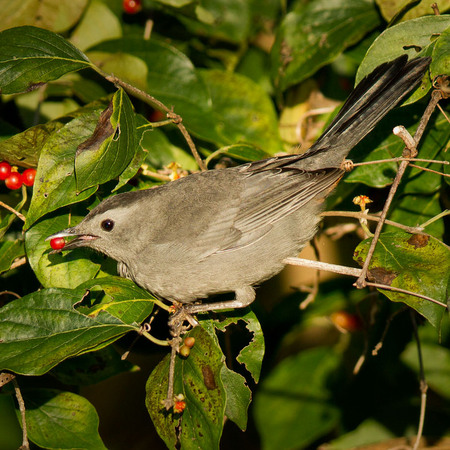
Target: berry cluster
(13, 179)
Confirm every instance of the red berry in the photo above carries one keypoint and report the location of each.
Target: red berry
(28, 177)
(5, 170)
(14, 181)
(132, 6)
(57, 243)
(345, 321)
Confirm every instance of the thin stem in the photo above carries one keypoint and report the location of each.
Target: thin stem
(25, 443)
(153, 339)
(433, 219)
(423, 383)
(360, 215)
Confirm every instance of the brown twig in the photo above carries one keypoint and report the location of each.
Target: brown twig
(378, 346)
(399, 159)
(354, 272)
(154, 102)
(409, 151)
(25, 444)
(10, 209)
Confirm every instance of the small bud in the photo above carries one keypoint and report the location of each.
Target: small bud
(179, 406)
(362, 201)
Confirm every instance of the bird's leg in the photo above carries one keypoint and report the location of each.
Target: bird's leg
(244, 297)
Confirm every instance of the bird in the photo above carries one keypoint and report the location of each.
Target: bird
(227, 230)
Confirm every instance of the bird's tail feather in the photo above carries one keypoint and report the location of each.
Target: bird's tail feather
(370, 101)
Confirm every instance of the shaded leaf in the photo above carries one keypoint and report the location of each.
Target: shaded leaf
(315, 33)
(198, 378)
(415, 210)
(380, 147)
(239, 397)
(293, 406)
(244, 152)
(63, 420)
(416, 263)
(31, 56)
(106, 154)
(436, 361)
(91, 368)
(42, 329)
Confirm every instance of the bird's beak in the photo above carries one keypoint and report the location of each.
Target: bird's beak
(81, 240)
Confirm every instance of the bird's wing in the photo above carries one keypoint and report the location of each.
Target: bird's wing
(268, 194)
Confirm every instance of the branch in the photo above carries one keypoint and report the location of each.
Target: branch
(409, 151)
(25, 444)
(354, 272)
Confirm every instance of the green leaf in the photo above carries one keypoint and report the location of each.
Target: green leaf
(52, 15)
(293, 406)
(436, 361)
(198, 378)
(58, 269)
(9, 251)
(441, 59)
(251, 355)
(31, 56)
(315, 33)
(161, 151)
(55, 184)
(415, 210)
(106, 154)
(119, 297)
(239, 397)
(416, 263)
(414, 37)
(63, 420)
(242, 111)
(91, 368)
(42, 329)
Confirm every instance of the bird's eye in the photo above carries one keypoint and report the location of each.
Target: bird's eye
(107, 225)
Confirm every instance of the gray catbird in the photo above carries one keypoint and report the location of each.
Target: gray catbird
(229, 229)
